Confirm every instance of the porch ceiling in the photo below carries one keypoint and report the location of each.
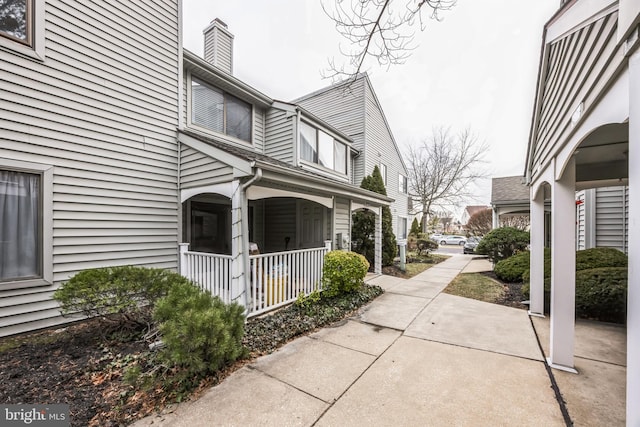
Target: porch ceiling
(602, 158)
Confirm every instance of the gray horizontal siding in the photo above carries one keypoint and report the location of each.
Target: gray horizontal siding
(578, 65)
(280, 220)
(612, 217)
(342, 220)
(279, 135)
(102, 109)
(198, 169)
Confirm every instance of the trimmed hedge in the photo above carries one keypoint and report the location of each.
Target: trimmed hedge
(503, 242)
(601, 294)
(343, 272)
(512, 269)
(600, 257)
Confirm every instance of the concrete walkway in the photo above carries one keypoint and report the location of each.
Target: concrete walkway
(413, 357)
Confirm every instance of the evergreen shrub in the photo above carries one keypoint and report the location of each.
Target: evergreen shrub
(513, 268)
(501, 243)
(343, 272)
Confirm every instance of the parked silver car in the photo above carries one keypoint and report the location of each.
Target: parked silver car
(470, 246)
(453, 240)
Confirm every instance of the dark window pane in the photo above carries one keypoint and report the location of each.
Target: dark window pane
(238, 118)
(14, 19)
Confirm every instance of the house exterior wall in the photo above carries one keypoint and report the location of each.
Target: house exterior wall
(342, 221)
(197, 169)
(579, 64)
(100, 109)
(356, 111)
(280, 134)
(602, 218)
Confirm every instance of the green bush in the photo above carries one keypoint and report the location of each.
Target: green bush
(426, 246)
(513, 268)
(201, 333)
(124, 290)
(601, 294)
(415, 227)
(501, 243)
(343, 272)
(600, 257)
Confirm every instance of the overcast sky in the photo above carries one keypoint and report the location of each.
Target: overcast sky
(477, 67)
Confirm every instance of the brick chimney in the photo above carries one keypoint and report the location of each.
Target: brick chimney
(218, 45)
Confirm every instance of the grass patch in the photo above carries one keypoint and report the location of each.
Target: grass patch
(414, 265)
(475, 286)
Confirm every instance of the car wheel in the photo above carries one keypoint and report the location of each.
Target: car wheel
(462, 243)
(442, 242)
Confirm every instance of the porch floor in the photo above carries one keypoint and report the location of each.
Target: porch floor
(416, 356)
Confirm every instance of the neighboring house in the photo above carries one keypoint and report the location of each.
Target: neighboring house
(469, 211)
(585, 134)
(88, 149)
(354, 109)
(509, 196)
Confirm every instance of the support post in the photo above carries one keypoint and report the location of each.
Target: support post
(495, 218)
(563, 269)
(402, 243)
(238, 276)
(633, 290)
(328, 244)
(378, 244)
(536, 274)
(184, 247)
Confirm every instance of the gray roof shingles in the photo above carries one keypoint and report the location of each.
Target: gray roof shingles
(508, 188)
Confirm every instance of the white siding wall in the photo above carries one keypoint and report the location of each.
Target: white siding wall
(279, 132)
(612, 216)
(580, 221)
(102, 109)
(342, 221)
(198, 169)
(382, 149)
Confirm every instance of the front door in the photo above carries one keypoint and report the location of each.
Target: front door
(312, 225)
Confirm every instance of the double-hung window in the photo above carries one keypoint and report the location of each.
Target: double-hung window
(402, 184)
(16, 20)
(219, 111)
(319, 147)
(20, 226)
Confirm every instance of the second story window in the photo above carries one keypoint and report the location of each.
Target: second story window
(402, 184)
(15, 20)
(383, 172)
(319, 147)
(219, 111)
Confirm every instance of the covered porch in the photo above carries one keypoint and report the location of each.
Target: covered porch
(259, 236)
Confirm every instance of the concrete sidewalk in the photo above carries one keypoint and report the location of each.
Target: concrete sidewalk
(414, 356)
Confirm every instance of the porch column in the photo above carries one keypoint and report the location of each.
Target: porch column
(633, 292)
(238, 277)
(377, 268)
(563, 269)
(495, 218)
(536, 274)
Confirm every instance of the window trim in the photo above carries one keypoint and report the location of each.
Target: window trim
(45, 222)
(316, 164)
(35, 47)
(189, 115)
(405, 188)
(384, 175)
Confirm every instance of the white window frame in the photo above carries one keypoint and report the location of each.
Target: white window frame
(383, 172)
(316, 163)
(46, 222)
(193, 125)
(403, 185)
(35, 49)
(406, 227)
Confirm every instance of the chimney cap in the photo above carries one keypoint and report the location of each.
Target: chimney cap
(219, 21)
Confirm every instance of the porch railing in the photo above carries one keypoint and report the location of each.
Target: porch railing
(276, 279)
(212, 272)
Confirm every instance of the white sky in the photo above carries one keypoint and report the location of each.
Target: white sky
(477, 67)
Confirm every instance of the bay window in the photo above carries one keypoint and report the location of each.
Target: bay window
(219, 111)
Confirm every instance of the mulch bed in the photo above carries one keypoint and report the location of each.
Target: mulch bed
(512, 296)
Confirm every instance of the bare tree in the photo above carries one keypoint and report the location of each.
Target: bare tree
(442, 169)
(378, 29)
(521, 222)
(480, 223)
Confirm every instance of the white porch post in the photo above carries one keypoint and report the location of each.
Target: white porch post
(536, 276)
(563, 269)
(184, 247)
(633, 292)
(377, 268)
(495, 218)
(238, 277)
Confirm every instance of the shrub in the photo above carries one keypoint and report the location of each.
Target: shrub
(426, 246)
(343, 272)
(501, 243)
(600, 257)
(513, 268)
(123, 290)
(415, 227)
(201, 333)
(601, 294)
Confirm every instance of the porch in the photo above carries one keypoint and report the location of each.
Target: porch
(275, 279)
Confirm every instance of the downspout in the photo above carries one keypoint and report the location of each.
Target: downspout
(296, 139)
(245, 232)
